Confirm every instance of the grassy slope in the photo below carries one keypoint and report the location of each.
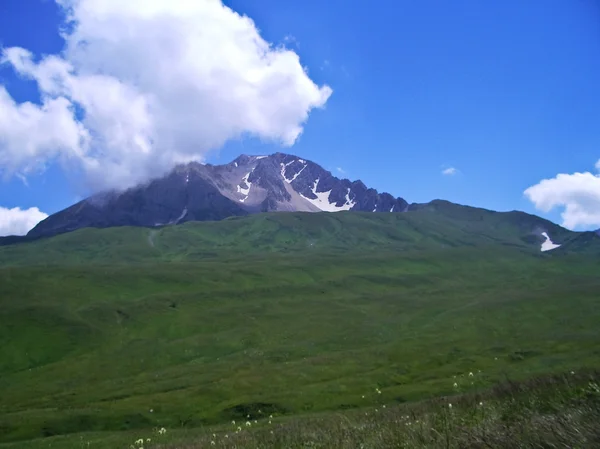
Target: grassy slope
(292, 313)
(436, 225)
(545, 411)
(96, 348)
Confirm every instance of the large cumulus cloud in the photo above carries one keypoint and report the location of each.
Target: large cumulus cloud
(144, 84)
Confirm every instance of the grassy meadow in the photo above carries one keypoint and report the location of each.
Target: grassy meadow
(109, 335)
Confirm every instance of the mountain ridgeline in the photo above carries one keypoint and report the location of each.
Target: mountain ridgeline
(260, 204)
(205, 192)
(432, 228)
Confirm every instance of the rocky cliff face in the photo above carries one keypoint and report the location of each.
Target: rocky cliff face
(197, 192)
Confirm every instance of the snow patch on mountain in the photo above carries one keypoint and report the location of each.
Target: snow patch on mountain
(548, 245)
(289, 181)
(349, 203)
(245, 190)
(183, 214)
(322, 200)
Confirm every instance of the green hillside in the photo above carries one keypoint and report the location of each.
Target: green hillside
(98, 348)
(294, 314)
(437, 225)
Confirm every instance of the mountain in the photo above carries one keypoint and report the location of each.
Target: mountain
(436, 226)
(250, 185)
(201, 192)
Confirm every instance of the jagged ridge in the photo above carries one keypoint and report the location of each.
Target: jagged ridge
(200, 192)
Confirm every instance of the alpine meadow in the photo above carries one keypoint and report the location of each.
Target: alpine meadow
(298, 224)
(110, 333)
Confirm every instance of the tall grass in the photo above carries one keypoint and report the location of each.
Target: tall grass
(546, 412)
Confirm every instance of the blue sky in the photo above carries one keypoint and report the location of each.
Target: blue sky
(506, 93)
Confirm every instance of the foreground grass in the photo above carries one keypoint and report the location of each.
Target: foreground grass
(544, 412)
(120, 350)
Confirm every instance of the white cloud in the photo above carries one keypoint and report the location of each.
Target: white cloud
(341, 170)
(18, 221)
(32, 134)
(578, 194)
(145, 84)
(450, 171)
(291, 40)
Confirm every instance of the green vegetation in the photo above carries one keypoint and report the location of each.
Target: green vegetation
(547, 411)
(105, 335)
(560, 411)
(437, 225)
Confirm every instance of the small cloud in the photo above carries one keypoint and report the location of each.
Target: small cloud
(340, 170)
(325, 64)
(291, 40)
(450, 171)
(18, 221)
(577, 194)
(23, 179)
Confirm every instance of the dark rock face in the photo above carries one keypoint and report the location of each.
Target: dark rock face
(198, 192)
(170, 200)
(267, 175)
(308, 178)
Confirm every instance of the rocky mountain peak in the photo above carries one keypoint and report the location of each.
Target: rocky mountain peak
(248, 184)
